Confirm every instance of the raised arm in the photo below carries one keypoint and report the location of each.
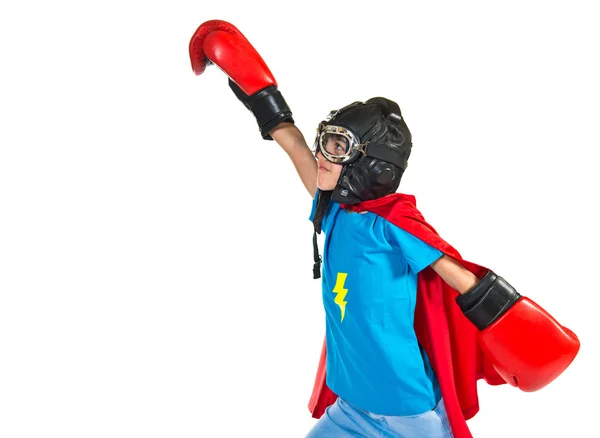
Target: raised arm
(291, 140)
(221, 43)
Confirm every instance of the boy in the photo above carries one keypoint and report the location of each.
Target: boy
(410, 325)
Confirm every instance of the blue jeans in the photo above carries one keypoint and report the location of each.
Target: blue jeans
(345, 420)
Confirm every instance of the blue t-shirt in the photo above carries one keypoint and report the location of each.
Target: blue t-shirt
(370, 268)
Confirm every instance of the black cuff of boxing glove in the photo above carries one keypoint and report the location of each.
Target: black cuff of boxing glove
(268, 106)
(271, 124)
(488, 300)
(270, 109)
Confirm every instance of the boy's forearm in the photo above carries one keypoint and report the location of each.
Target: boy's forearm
(288, 136)
(453, 273)
(291, 140)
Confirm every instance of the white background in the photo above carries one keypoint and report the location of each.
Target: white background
(155, 252)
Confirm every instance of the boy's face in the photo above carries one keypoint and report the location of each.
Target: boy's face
(328, 173)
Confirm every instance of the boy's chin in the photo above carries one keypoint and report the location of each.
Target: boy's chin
(325, 182)
(325, 187)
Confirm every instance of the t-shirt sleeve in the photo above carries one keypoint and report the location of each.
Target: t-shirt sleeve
(418, 254)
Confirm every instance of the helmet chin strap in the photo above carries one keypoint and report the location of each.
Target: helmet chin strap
(338, 194)
(322, 204)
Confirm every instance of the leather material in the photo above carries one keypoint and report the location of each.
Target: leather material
(487, 300)
(268, 106)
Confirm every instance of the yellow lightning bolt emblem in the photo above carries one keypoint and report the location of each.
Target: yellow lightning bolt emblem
(341, 292)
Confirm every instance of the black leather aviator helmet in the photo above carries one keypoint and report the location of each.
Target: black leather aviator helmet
(377, 146)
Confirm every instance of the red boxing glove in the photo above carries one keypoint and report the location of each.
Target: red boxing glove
(526, 345)
(221, 43)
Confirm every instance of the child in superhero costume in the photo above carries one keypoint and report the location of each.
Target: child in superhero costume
(410, 325)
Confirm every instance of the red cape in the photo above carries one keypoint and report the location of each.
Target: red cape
(448, 337)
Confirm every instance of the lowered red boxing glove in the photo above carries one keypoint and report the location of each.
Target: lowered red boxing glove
(221, 43)
(526, 345)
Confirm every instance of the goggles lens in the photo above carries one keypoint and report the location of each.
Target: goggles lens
(337, 144)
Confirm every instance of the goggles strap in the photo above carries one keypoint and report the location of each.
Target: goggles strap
(384, 153)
